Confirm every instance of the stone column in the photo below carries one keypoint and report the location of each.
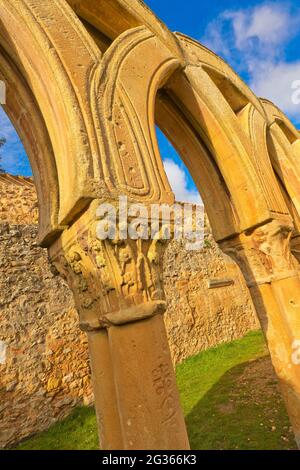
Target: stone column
(120, 300)
(148, 399)
(270, 270)
(109, 428)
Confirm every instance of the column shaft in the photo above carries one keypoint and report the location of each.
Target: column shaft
(110, 435)
(148, 400)
(265, 259)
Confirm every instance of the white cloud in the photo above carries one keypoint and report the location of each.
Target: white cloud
(263, 29)
(274, 81)
(217, 38)
(179, 183)
(253, 41)
(269, 23)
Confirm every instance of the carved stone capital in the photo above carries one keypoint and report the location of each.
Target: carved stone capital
(263, 254)
(114, 281)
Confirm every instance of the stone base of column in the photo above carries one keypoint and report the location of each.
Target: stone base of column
(292, 402)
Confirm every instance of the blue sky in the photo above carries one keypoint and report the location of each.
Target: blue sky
(259, 39)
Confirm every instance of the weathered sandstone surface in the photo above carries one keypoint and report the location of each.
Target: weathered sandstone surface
(44, 366)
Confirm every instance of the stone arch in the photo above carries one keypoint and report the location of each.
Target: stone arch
(242, 125)
(284, 149)
(231, 139)
(207, 177)
(225, 113)
(24, 112)
(127, 103)
(57, 77)
(97, 113)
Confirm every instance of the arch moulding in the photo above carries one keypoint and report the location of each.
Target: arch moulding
(87, 81)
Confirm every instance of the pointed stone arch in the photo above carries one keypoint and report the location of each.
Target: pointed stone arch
(93, 104)
(54, 55)
(225, 112)
(124, 94)
(284, 149)
(228, 118)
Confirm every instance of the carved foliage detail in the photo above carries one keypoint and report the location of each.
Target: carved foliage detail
(263, 254)
(109, 276)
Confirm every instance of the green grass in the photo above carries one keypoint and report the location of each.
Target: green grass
(229, 396)
(231, 399)
(77, 432)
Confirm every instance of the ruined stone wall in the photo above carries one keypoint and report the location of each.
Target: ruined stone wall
(208, 300)
(18, 201)
(44, 368)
